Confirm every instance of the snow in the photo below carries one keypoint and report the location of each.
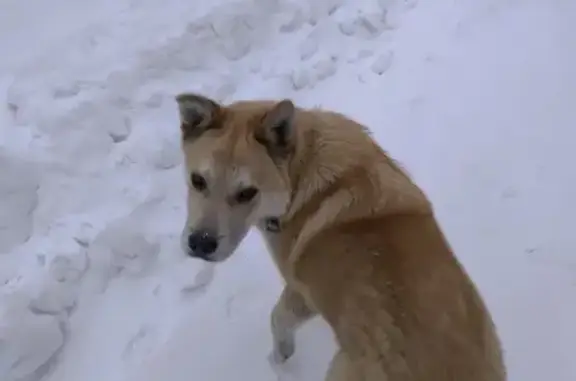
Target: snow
(475, 98)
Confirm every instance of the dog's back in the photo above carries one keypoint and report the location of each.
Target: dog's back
(399, 303)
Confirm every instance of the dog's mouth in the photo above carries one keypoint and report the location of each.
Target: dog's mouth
(215, 258)
(206, 259)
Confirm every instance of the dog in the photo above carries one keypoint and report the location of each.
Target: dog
(355, 239)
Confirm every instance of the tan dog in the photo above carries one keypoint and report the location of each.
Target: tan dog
(354, 238)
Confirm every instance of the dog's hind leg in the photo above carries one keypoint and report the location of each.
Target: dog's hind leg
(289, 313)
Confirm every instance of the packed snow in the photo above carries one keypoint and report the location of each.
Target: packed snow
(476, 98)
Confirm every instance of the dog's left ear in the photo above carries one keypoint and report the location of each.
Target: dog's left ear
(197, 114)
(277, 129)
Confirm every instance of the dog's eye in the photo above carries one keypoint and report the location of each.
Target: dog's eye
(246, 195)
(198, 182)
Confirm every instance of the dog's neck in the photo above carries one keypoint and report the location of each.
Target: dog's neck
(326, 183)
(318, 165)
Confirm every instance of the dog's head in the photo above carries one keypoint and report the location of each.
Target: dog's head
(236, 160)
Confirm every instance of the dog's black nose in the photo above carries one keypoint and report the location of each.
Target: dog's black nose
(202, 244)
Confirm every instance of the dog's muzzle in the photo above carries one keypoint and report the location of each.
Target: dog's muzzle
(202, 244)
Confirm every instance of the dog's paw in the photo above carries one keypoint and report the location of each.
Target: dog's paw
(282, 351)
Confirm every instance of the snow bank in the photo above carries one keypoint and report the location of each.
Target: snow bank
(18, 199)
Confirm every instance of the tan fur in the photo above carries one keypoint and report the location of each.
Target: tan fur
(359, 244)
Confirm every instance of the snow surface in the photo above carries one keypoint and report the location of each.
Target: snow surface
(475, 97)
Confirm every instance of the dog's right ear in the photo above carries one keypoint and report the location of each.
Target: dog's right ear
(197, 114)
(276, 132)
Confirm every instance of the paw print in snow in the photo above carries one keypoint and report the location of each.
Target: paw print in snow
(132, 253)
(141, 344)
(56, 290)
(325, 68)
(364, 25)
(69, 268)
(28, 340)
(119, 249)
(301, 78)
(292, 21)
(382, 63)
(54, 298)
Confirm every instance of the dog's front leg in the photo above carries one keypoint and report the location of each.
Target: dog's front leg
(289, 313)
